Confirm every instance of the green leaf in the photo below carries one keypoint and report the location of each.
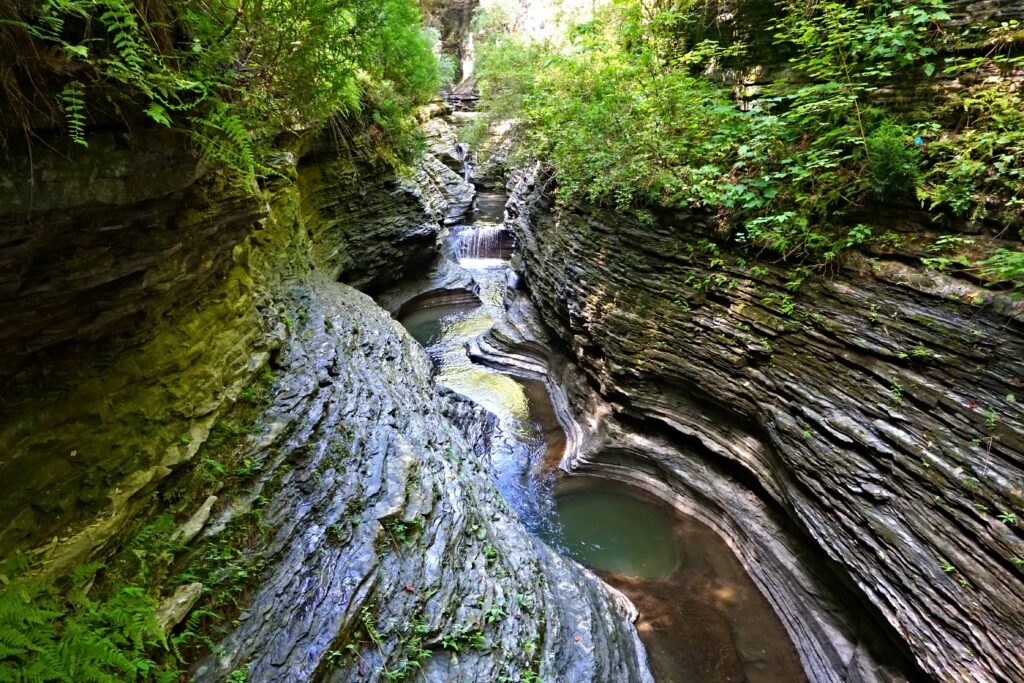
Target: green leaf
(158, 114)
(929, 69)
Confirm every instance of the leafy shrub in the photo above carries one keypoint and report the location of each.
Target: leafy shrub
(624, 109)
(984, 160)
(1005, 267)
(230, 75)
(448, 65)
(892, 161)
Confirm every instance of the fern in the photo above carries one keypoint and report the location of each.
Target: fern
(152, 544)
(50, 635)
(223, 137)
(73, 104)
(135, 55)
(222, 73)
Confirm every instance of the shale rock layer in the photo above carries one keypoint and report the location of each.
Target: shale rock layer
(874, 404)
(189, 353)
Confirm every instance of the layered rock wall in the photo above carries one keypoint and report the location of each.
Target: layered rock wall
(387, 541)
(138, 302)
(369, 229)
(180, 351)
(875, 404)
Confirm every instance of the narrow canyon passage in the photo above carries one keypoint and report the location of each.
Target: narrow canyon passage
(701, 617)
(512, 341)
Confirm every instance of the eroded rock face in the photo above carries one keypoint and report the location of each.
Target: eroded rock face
(104, 239)
(834, 642)
(369, 229)
(382, 540)
(383, 517)
(136, 318)
(138, 303)
(875, 406)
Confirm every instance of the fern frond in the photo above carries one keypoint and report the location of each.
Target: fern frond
(46, 636)
(73, 104)
(223, 137)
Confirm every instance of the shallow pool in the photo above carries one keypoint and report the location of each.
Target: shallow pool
(608, 530)
(701, 616)
(430, 325)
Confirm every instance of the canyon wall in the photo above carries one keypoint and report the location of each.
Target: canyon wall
(138, 300)
(871, 406)
(863, 413)
(193, 399)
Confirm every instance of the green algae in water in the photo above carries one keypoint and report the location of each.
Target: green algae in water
(429, 325)
(499, 394)
(615, 532)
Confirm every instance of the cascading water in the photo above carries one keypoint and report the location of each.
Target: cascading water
(716, 626)
(484, 242)
(466, 157)
(479, 245)
(526, 421)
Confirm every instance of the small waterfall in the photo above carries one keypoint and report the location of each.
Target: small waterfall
(468, 62)
(484, 242)
(466, 157)
(480, 243)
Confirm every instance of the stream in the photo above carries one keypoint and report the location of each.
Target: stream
(701, 616)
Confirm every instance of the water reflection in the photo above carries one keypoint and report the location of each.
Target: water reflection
(527, 431)
(430, 325)
(608, 530)
(702, 618)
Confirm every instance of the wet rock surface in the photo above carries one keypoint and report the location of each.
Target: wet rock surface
(139, 303)
(384, 521)
(382, 548)
(874, 408)
(397, 219)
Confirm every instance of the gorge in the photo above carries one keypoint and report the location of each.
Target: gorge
(506, 404)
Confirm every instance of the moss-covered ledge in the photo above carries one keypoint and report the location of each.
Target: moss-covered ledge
(141, 298)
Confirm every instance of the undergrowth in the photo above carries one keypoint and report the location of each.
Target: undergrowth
(229, 75)
(62, 632)
(632, 111)
(99, 623)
